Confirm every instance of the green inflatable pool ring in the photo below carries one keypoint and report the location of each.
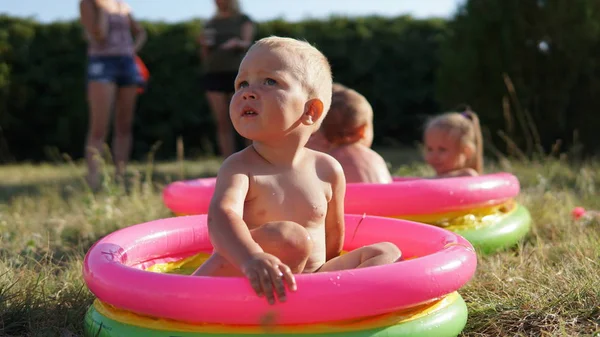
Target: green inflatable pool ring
(488, 229)
(505, 233)
(447, 319)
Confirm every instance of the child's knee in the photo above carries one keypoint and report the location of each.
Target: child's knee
(387, 249)
(288, 238)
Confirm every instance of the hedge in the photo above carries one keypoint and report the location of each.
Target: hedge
(392, 61)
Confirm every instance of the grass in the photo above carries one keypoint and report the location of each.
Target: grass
(548, 286)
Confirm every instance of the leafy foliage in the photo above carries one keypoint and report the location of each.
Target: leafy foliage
(42, 80)
(540, 57)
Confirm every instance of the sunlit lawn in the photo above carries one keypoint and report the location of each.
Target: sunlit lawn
(548, 286)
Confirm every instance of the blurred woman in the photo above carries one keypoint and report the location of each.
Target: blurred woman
(114, 38)
(224, 41)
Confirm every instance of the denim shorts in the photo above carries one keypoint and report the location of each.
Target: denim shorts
(120, 70)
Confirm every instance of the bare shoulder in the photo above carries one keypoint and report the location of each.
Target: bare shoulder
(328, 168)
(464, 172)
(382, 160)
(469, 172)
(233, 183)
(239, 162)
(124, 8)
(373, 154)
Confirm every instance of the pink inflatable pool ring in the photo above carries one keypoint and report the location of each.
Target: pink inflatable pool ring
(482, 209)
(189, 197)
(406, 196)
(438, 262)
(410, 196)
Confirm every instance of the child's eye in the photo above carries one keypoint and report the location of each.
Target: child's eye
(270, 81)
(242, 84)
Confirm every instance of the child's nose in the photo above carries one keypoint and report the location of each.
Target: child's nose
(249, 94)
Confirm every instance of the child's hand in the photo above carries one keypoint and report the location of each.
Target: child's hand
(267, 275)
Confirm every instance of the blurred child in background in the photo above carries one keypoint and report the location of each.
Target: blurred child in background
(454, 145)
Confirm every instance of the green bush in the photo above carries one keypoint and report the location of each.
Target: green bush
(549, 50)
(407, 68)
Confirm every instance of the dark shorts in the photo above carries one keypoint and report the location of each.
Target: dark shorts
(220, 82)
(120, 70)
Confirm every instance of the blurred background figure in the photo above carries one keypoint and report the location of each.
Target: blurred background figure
(114, 38)
(224, 41)
(319, 142)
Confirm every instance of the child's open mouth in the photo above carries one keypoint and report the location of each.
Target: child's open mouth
(249, 112)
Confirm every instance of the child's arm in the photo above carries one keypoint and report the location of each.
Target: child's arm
(334, 220)
(232, 239)
(138, 32)
(201, 40)
(247, 35)
(228, 232)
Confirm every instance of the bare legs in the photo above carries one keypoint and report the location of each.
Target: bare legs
(101, 97)
(100, 100)
(287, 240)
(219, 106)
(368, 256)
(291, 243)
(125, 108)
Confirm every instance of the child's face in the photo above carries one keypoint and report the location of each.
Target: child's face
(443, 151)
(269, 100)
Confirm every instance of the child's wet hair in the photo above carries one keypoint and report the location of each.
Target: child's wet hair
(349, 116)
(311, 66)
(466, 128)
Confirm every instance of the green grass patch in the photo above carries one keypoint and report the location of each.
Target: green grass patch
(547, 286)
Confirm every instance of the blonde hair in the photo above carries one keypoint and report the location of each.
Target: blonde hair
(466, 128)
(349, 115)
(311, 66)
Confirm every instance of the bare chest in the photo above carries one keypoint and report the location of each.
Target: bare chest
(287, 197)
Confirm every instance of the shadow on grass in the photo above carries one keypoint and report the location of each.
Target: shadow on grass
(75, 186)
(67, 186)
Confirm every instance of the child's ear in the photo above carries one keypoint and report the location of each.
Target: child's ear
(361, 132)
(313, 110)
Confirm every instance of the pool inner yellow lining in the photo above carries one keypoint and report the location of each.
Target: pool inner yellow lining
(466, 219)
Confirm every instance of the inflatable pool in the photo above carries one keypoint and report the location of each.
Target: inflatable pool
(128, 271)
(482, 209)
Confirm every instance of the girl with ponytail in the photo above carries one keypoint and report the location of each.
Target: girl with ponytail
(454, 145)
